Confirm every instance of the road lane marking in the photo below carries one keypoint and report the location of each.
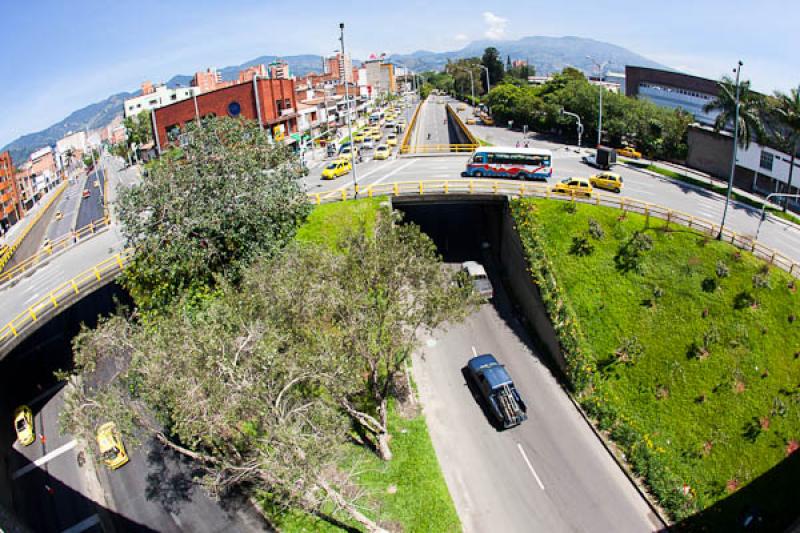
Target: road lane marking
(530, 466)
(83, 525)
(474, 352)
(44, 459)
(393, 172)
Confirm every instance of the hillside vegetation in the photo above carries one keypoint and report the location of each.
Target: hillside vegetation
(684, 350)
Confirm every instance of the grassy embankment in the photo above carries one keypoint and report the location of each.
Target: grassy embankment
(683, 349)
(409, 491)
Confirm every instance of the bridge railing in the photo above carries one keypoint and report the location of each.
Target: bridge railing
(6, 257)
(470, 137)
(437, 148)
(57, 245)
(411, 125)
(62, 296)
(71, 290)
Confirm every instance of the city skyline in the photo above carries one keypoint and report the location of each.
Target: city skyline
(113, 49)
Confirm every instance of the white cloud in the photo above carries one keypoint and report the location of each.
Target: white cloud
(461, 38)
(496, 25)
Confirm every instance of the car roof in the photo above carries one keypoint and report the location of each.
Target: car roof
(473, 268)
(494, 372)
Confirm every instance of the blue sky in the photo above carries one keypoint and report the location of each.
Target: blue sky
(59, 56)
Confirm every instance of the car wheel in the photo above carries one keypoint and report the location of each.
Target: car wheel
(478, 174)
(522, 176)
(617, 190)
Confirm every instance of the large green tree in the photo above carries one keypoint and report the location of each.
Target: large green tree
(227, 197)
(750, 108)
(491, 60)
(787, 111)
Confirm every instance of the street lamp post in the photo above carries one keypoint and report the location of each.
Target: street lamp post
(764, 207)
(580, 125)
(488, 85)
(349, 118)
(738, 71)
(600, 69)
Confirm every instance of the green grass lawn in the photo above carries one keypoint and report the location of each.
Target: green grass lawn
(695, 375)
(419, 500)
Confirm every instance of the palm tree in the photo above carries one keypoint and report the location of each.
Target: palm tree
(750, 105)
(787, 111)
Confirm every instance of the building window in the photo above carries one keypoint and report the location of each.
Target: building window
(234, 109)
(766, 160)
(173, 132)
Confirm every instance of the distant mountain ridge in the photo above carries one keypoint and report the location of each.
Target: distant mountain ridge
(547, 54)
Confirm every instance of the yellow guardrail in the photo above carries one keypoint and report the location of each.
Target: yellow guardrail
(13, 246)
(472, 139)
(71, 290)
(57, 245)
(63, 295)
(410, 128)
(437, 148)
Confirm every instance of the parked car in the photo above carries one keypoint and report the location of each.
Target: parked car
(607, 180)
(480, 280)
(573, 187)
(23, 425)
(112, 451)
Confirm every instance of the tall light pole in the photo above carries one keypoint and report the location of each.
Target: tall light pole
(580, 125)
(738, 71)
(488, 85)
(600, 69)
(764, 207)
(349, 118)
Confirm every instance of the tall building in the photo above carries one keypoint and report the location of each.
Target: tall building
(10, 206)
(674, 90)
(207, 80)
(380, 77)
(279, 70)
(249, 73)
(341, 67)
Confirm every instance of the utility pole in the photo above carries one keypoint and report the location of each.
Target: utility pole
(349, 118)
(488, 85)
(764, 207)
(600, 70)
(738, 71)
(580, 125)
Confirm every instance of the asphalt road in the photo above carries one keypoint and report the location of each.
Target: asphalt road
(68, 206)
(431, 126)
(91, 208)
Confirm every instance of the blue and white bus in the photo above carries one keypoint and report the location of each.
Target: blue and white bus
(509, 162)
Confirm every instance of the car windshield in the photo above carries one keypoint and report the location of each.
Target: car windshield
(110, 454)
(331, 166)
(21, 424)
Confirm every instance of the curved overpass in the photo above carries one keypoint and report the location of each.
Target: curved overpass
(85, 268)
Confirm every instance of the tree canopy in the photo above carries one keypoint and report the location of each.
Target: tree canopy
(227, 197)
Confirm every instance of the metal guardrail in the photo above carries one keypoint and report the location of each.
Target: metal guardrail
(18, 241)
(438, 148)
(62, 243)
(411, 125)
(71, 290)
(62, 296)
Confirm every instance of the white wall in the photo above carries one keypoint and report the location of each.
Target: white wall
(750, 158)
(161, 97)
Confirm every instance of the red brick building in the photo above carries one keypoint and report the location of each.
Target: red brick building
(272, 103)
(10, 208)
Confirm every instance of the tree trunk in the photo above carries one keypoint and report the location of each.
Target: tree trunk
(384, 451)
(354, 513)
(791, 171)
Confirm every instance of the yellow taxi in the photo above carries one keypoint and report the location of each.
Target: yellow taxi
(376, 135)
(628, 151)
(382, 152)
(487, 120)
(573, 187)
(461, 107)
(112, 451)
(358, 137)
(470, 122)
(391, 139)
(347, 152)
(336, 168)
(23, 425)
(607, 180)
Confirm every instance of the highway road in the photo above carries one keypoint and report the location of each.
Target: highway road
(91, 208)
(69, 206)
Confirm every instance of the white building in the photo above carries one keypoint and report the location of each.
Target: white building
(160, 96)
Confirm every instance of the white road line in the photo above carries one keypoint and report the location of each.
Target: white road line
(530, 466)
(474, 352)
(83, 525)
(44, 459)
(395, 171)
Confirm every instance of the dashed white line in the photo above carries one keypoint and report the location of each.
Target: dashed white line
(83, 525)
(44, 459)
(530, 466)
(474, 352)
